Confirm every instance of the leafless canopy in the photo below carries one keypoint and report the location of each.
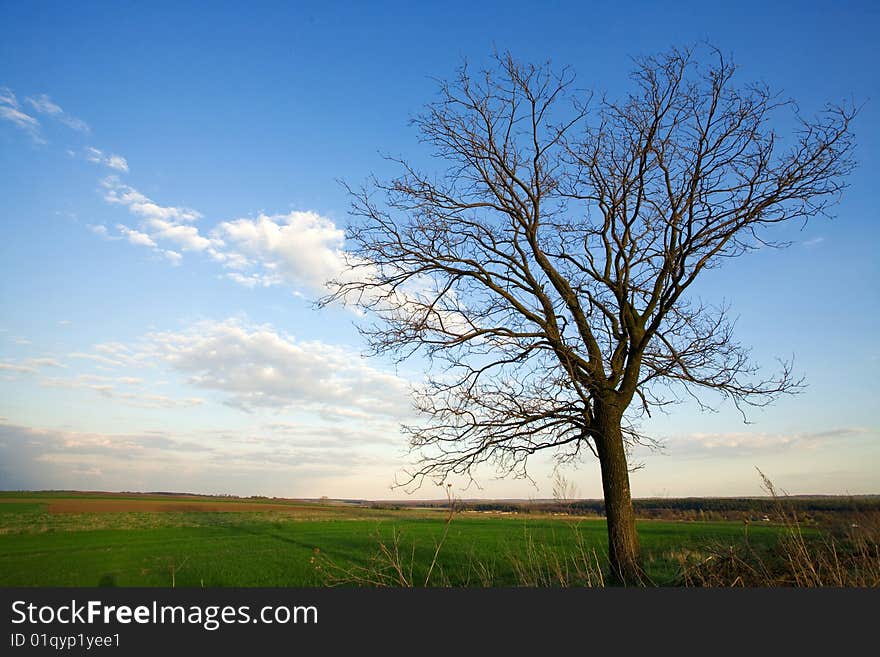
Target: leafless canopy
(545, 270)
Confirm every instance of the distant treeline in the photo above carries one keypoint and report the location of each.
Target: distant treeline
(755, 508)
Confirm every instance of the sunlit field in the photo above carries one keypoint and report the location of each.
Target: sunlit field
(90, 540)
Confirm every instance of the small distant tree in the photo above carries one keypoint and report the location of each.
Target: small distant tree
(545, 269)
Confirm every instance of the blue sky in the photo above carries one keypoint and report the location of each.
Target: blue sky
(170, 205)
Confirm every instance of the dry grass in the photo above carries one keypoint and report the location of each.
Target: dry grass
(394, 564)
(538, 565)
(847, 555)
(848, 558)
(390, 565)
(541, 566)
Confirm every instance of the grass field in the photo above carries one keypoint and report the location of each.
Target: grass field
(115, 540)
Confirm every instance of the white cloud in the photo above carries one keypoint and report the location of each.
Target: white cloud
(10, 110)
(303, 249)
(97, 156)
(15, 367)
(251, 366)
(117, 162)
(7, 97)
(745, 442)
(135, 237)
(108, 386)
(258, 367)
(254, 280)
(139, 205)
(45, 362)
(22, 120)
(184, 236)
(99, 229)
(172, 256)
(98, 358)
(42, 104)
(158, 223)
(31, 365)
(306, 463)
(117, 350)
(306, 251)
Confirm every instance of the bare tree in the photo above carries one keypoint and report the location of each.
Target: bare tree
(544, 271)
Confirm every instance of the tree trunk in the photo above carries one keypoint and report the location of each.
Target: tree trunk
(623, 541)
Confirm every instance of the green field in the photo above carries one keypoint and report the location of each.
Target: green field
(40, 546)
